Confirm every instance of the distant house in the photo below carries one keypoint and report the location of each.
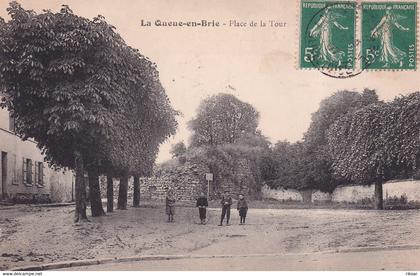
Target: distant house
(24, 176)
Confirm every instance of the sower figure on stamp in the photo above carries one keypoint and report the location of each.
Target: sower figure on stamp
(242, 208)
(323, 31)
(202, 204)
(226, 203)
(170, 205)
(389, 53)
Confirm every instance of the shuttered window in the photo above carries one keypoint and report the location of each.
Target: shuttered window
(15, 178)
(39, 172)
(24, 169)
(27, 171)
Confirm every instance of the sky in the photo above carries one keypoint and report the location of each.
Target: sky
(259, 65)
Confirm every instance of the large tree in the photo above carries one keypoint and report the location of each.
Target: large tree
(377, 143)
(357, 150)
(222, 119)
(68, 81)
(286, 166)
(317, 162)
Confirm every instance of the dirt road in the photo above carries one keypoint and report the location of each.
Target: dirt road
(33, 235)
(405, 260)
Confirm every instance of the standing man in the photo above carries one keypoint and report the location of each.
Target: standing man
(226, 203)
(202, 204)
(170, 205)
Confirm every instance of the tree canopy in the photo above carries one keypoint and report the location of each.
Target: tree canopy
(378, 142)
(76, 87)
(178, 149)
(221, 119)
(316, 160)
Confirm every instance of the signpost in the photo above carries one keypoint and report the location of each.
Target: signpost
(209, 177)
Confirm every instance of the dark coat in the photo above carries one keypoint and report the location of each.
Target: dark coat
(226, 201)
(170, 205)
(202, 201)
(170, 201)
(242, 204)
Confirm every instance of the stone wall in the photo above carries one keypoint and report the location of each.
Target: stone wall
(410, 189)
(353, 194)
(281, 194)
(187, 181)
(318, 196)
(350, 194)
(242, 182)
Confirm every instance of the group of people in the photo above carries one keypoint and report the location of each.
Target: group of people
(202, 204)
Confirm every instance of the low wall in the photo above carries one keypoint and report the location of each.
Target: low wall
(281, 194)
(353, 194)
(320, 196)
(350, 194)
(411, 189)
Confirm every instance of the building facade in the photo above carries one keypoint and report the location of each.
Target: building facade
(24, 175)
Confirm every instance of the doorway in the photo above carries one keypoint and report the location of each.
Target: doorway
(3, 174)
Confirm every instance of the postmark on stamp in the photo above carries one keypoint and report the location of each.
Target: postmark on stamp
(389, 35)
(327, 35)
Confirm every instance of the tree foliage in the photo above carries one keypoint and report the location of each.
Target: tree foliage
(178, 149)
(316, 159)
(224, 161)
(76, 87)
(378, 142)
(286, 166)
(221, 119)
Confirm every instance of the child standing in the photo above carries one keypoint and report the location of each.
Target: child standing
(242, 208)
(170, 205)
(202, 204)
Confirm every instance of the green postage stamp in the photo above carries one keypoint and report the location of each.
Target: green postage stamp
(389, 35)
(327, 39)
(385, 39)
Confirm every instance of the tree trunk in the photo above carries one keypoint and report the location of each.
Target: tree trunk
(379, 201)
(80, 187)
(95, 193)
(109, 194)
(136, 191)
(122, 193)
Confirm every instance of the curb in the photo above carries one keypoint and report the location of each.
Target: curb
(52, 205)
(137, 258)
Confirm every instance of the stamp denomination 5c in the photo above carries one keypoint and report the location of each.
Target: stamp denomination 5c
(389, 35)
(327, 35)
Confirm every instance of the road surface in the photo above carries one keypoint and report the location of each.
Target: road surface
(405, 260)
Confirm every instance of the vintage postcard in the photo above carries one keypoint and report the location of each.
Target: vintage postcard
(219, 135)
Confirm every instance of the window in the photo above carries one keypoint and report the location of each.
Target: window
(27, 171)
(15, 178)
(39, 174)
(12, 123)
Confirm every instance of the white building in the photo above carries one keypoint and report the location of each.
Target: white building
(24, 175)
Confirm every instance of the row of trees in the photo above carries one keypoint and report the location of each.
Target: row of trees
(352, 138)
(377, 143)
(307, 163)
(91, 102)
